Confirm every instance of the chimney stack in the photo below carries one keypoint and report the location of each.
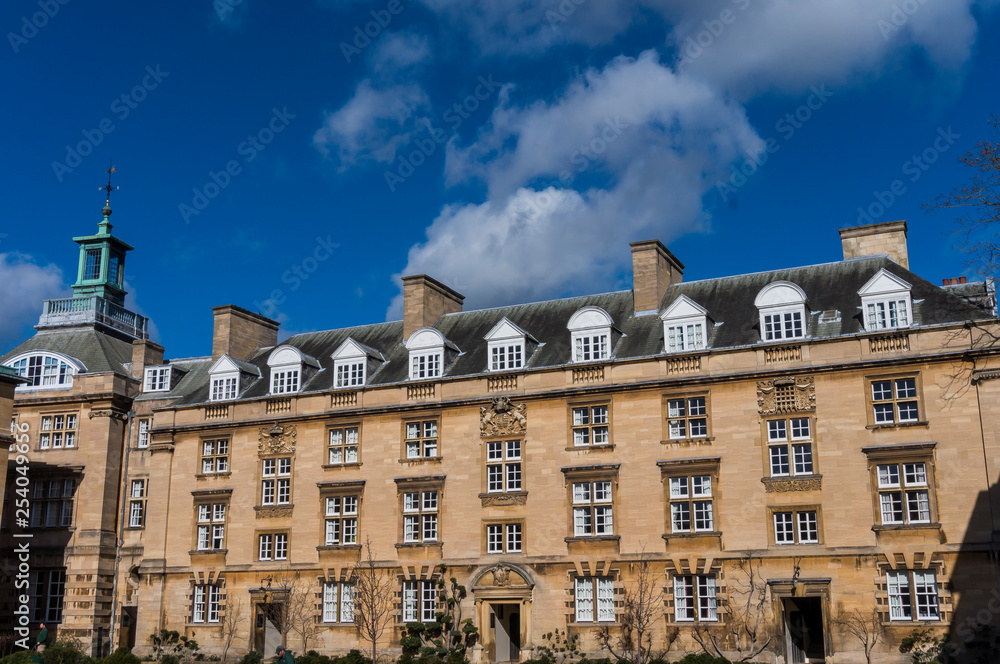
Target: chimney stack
(887, 238)
(425, 300)
(145, 353)
(238, 332)
(654, 269)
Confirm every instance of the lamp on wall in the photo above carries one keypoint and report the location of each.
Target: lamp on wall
(266, 590)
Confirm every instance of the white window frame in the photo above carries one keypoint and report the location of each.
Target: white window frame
(142, 435)
(685, 326)
(225, 387)
(350, 372)
(286, 380)
(52, 371)
(909, 592)
(338, 603)
(420, 601)
(593, 507)
(590, 335)
(506, 347)
(785, 301)
(505, 537)
(205, 604)
(905, 484)
(421, 515)
(341, 513)
(691, 503)
(886, 303)
(137, 504)
(695, 598)
(210, 532)
(504, 465)
(789, 452)
(157, 379)
(594, 599)
(426, 348)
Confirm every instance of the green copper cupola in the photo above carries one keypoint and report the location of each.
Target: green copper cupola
(102, 264)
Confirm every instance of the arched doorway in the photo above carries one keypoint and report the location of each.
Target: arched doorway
(503, 611)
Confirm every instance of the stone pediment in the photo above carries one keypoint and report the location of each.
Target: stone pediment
(501, 576)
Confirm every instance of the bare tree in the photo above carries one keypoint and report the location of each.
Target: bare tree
(299, 607)
(978, 204)
(374, 595)
(631, 638)
(865, 626)
(231, 621)
(747, 629)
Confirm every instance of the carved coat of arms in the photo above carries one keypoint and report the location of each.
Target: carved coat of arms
(502, 418)
(276, 439)
(786, 395)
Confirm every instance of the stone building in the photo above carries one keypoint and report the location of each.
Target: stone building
(779, 448)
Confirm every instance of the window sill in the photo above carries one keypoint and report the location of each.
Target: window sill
(897, 425)
(935, 526)
(200, 476)
(135, 527)
(418, 545)
(701, 534)
(591, 448)
(207, 552)
(592, 538)
(688, 442)
(416, 460)
(338, 547)
(353, 464)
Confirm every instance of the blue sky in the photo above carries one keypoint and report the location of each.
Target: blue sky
(277, 157)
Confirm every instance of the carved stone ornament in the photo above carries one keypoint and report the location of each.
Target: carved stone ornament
(502, 418)
(501, 576)
(276, 439)
(113, 414)
(273, 512)
(503, 499)
(786, 395)
(789, 484)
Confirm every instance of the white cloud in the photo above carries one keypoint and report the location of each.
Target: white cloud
(23, 285)
(373, 124)
(398, 51)
(792, 44)
(655, 140)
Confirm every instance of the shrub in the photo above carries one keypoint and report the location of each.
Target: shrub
(170, 659)
(19, 657)
(65, 652)
(352, 657)
(121, 656)
(252, 657)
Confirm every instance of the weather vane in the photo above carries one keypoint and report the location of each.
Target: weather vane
(108, 189)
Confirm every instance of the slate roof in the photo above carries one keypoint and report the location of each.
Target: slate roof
(729, 301)
(733, 322)
(99, 352)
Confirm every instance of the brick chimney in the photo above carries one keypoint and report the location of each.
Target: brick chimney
(238, 332)
(145, 353)
(887, 238)
(654, 269)
(425, 300)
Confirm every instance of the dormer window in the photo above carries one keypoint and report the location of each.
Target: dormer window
(428, 353)
(886, 302)
(284, 381)
(782, 307)
(685, 326)
(591, 334)
(157, 379)
(352, 363)
(45, 370)
(224, 388)
(508, 346)
(229, 377)
(288, 366)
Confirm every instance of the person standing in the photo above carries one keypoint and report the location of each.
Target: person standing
(43, 638)
(284, 657)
